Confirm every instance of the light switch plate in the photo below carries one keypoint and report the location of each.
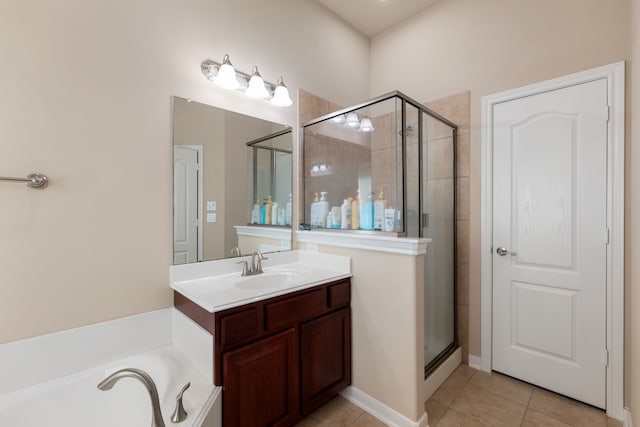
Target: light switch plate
(211, 217)
(211, 206)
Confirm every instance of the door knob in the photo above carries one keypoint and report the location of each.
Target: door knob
(503, 251)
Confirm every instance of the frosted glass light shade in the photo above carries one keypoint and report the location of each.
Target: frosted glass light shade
(281, 95)
(339, 119)
(366, 125)
(226, 77)
(352, 120)
(256, 87)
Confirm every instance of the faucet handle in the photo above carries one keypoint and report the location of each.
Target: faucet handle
(179, 414)
(245, 267)
(258, 267)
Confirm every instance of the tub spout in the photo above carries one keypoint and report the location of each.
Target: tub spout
(145, 379)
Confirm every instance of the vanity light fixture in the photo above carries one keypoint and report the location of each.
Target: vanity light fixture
(256, 87)
(281, 95)
(366, 125)
(352, 121)
(338, 119)
(224, 75)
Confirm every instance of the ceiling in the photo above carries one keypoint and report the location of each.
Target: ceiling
(371, 17)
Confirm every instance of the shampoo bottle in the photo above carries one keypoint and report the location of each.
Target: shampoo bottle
(323, 209)
(287, 211)
(255, 217)
(366, 214)
(263, 207)
(274, 213)
(355, 212)
(336, 217)
(267, 211)
(345, 212)
(314, 212)
(378, 211)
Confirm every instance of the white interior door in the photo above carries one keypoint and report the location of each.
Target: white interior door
(550, 225)
(185, 204)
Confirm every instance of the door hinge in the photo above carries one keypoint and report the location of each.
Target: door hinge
(606, 236)
(606, 357)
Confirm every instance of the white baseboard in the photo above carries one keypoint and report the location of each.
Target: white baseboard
(475, 362)
(627, 418)
(442, 372)
(381, 411)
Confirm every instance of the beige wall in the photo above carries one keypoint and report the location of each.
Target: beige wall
(632, 344)
(86, 98)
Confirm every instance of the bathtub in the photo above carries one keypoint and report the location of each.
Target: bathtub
(75, 401)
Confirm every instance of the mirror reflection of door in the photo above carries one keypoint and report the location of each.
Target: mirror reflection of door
(185, 206)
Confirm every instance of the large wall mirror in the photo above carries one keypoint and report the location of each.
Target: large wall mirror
(226, 166)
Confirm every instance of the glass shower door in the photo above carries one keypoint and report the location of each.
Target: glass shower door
(438, 223)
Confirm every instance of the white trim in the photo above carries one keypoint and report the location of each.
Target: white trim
(475, 362)
(381, 411)
(441, 373)
(627, 422)
(615, 75)
(275, 233)
(372, 242)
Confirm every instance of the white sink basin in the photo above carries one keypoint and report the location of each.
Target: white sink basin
(262, 281)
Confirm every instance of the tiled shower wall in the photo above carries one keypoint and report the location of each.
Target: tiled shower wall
(456, 109)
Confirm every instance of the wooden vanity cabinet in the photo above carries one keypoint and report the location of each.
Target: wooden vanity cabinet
(279, 359)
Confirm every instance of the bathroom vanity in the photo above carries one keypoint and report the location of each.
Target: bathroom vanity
(278, 358)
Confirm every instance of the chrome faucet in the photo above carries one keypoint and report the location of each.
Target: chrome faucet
(145, 379)
(256, 264)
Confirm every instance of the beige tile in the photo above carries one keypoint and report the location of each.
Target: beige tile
(383, 165)
(488, 408)
(311, 106)
(454, 418)
(566, 409)
(337, 413)
(367, 420)
(462, 285)
(435, 410)
(452, 387)
(307, 422)
(454, 108)
(614, 423)
(439, 158)
(462, 237)
(462, 312)
(503, 386)
(462, 198)
(538, 419)
(462, 155)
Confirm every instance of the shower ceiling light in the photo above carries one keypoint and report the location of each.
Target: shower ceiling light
(338, 119)
(366, 125)
(352, 121)
(224, 75)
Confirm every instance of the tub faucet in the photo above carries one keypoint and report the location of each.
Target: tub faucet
(145, 379)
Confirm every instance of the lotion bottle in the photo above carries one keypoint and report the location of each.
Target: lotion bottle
(378, 211)
(345, 212)
(267, 211)
(366, 216)
(274, 213)
(314, 211)
(323, 209)
(355, 212)
(287, 211)
(255, 217)
(263, 207)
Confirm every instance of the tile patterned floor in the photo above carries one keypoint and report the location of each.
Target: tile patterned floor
(471, 398)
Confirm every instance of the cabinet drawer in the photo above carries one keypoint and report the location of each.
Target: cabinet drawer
(294, 309)
(237, 327)
(339, 295)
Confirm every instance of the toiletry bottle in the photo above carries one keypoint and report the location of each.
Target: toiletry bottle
(378, 211)
(255, 217)
(281, 216)
(314, 211)
(263, 213)
(274, 213)
(366, 214)
(389, 219)
(329, 223)
(336, 217)
(287, 212)
(267, 211)
(345, 212)
(323, 209)
(355, 212)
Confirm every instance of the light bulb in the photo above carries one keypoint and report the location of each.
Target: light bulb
(281, 95)
(338, 119)
(352, 121)
(256, 87)
(315, 169)
(366, 125)
(226, 77)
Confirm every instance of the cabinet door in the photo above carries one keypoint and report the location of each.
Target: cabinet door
(325, 365)
(261, 383)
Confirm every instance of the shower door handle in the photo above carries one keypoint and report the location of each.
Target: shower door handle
(503, 251)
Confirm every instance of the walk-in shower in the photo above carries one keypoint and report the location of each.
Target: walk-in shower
(393, 159)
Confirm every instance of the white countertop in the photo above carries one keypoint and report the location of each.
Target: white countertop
(218, 285)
